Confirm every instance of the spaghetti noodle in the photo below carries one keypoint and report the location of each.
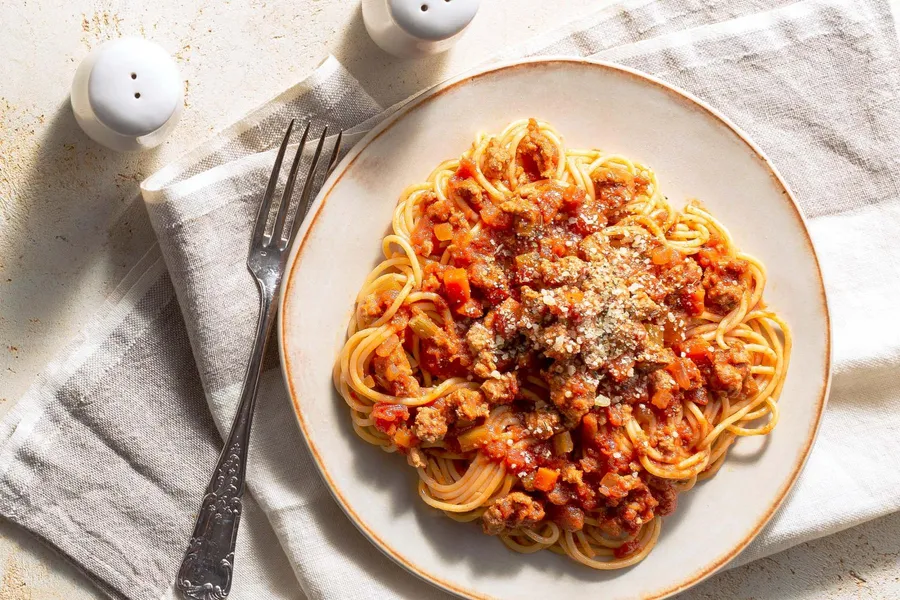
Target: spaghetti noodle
(557, 351)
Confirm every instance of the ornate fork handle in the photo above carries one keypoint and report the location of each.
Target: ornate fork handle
(208, 564)
(206, 570)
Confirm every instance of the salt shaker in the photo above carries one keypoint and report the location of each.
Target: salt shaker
(128, 94)
(414, 28)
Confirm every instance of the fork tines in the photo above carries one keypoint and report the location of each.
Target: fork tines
(277, 237)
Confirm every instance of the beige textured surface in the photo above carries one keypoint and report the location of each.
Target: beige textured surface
(59, 191)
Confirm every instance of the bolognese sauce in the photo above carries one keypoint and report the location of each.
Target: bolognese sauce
(556, 350)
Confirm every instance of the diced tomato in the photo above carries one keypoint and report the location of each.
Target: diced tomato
(422, 237)
(440, 363)
(387, 416)
(707, 257)
(545, 479)
(495, 218)
(520, 459)
(698, 396)
(685, 432)
(628, 548)
(549, 202)
(456, 282)
(495, 449)
(573, 198)
(466, 168)
(555, 245)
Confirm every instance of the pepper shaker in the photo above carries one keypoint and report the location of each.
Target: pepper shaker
(127, 94)
(415, 28)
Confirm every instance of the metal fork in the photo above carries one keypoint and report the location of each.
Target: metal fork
(206, 570)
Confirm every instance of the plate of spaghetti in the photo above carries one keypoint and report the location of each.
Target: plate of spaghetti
(557, 328)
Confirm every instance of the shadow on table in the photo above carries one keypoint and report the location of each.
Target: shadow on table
(75, 198)
(386, 78)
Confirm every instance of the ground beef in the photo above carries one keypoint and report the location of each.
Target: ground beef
(594, 247)
(569, 518)
(568, 270)
(481, 344)
(490, 278)
(572, 474)
(392, 369)
(526, 214)
(730, 367)
(572, 394)
(558, 342)
(468, 404)
(538, 156)
(654, 357)
(664, 493)
(627, 515)
(510, 512)
(466, 192)
(416, 458)
(725, 282)
(496, 161)
(662, 389)
(374, 305)
(543, 423)
(431, 424)
(613, 186)
(501, 390)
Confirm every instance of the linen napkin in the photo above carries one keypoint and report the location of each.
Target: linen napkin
(106, 456)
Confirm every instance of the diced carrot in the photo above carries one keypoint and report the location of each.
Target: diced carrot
(456, 283)
(403, 438)
(677, 369)
(696, 348)
(545, 479)
(664, 256)
(693, 301)
(661, 399)
(443, 231)
(589, 426)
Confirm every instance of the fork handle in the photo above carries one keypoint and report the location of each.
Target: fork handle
(208, 564)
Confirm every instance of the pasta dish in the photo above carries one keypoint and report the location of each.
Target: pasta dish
(556, 350)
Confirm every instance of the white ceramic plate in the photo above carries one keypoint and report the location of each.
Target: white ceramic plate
(695, 153)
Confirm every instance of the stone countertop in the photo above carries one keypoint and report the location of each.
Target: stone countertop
(59, 192)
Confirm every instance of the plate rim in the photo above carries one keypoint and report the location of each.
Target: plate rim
(468, 77)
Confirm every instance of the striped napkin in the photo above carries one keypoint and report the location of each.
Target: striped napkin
(106, 456)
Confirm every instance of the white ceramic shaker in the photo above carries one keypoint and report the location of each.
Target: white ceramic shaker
(414, 28)
(128, 94)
